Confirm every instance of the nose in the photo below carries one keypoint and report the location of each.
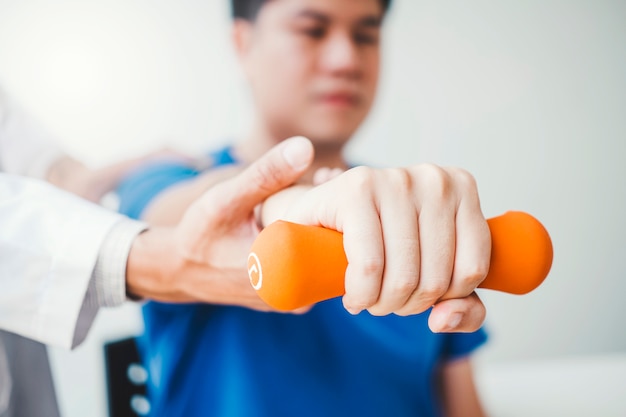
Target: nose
(341, 57)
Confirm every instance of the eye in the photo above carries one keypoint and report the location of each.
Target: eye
(365, 39)
(315, 33)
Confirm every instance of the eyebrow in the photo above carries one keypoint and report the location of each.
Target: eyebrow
(369, 21)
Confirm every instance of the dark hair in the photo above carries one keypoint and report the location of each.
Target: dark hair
(249, 9)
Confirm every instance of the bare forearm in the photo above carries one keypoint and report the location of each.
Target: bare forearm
(460, 395)
(91, 184)
(151, 262)
(159, 269)
(169, 206)
(203, 259)
(70, 175)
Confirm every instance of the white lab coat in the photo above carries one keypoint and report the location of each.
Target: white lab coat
(49, 244)
(49, 239)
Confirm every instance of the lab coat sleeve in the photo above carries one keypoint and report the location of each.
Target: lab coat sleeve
(107, 287)
(49, 244)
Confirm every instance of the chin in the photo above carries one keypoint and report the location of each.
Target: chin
(330, 139)
(336, 130)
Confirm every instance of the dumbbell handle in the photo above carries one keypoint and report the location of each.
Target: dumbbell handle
(292, 265)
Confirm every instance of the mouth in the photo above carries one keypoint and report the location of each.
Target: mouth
(339, 99)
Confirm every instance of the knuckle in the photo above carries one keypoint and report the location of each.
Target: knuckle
(431, 292)
(465, 180)
(266, 177)
(411, 310)
(481, 315)
(438, 181)
(465, 177)
(401, 178)
(477, 315)
(404, 286)
(370, 267)
(378, 311)
(362, 302)
(473, 275)
(360, 178)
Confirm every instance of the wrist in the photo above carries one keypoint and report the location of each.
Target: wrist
(152, 264)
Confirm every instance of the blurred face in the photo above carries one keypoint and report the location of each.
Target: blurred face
(312, 65)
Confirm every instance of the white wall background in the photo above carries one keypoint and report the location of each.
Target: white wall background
(528, 95)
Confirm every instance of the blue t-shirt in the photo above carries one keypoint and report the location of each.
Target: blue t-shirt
(224, 361)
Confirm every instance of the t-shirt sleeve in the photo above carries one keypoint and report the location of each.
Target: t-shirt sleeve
(460, 345)
(144, 184)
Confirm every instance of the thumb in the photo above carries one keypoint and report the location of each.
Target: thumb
(280, 167)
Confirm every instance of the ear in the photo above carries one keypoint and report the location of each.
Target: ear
(242, 40)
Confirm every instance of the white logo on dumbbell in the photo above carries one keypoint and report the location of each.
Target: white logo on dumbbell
(255, 273)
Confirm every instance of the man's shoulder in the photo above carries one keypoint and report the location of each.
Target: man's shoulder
(143, 184)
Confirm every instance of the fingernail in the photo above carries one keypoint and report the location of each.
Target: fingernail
(454, 321)
(297, 153)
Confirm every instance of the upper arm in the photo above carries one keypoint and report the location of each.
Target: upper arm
(168, 207)
(459, 393)
(161, 195)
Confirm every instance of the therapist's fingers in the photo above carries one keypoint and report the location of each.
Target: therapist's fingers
(280, 167)
(220, 224)
(235, 199)
(462, 315)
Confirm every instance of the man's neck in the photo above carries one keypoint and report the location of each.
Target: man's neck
(260, 141)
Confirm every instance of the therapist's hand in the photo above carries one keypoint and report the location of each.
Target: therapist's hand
(204, 258)
(414, 238)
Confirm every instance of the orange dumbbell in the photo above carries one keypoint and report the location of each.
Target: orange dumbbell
(292, 265)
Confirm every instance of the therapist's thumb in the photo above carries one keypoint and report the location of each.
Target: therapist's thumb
(280, 167)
